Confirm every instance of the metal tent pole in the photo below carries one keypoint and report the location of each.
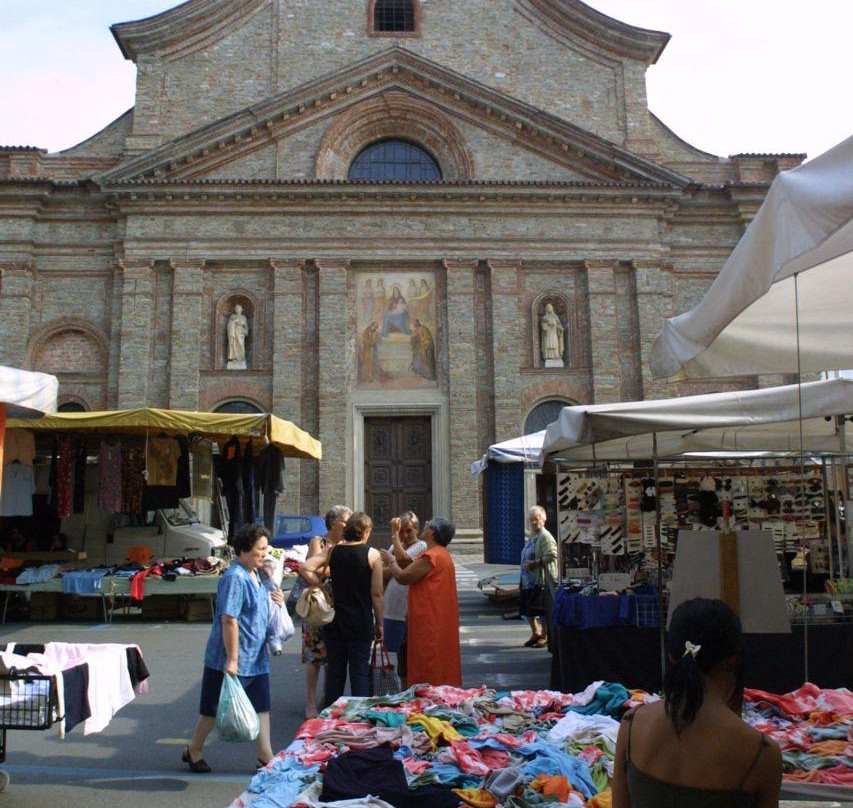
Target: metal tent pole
(661, 618)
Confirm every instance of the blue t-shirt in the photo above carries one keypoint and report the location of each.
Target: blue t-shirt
(528, 553)
(248, 601)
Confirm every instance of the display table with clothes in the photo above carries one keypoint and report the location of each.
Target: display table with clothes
(444, 747)
(121, 589)
(632, 653)
(92, 681)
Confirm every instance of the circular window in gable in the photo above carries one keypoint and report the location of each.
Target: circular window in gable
(394, 160)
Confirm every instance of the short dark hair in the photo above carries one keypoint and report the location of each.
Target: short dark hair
(247, 536)
(334, 513)
(357, 525)
(443, 529)
(715, 628)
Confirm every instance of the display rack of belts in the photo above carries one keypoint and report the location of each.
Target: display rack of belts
(608, 517)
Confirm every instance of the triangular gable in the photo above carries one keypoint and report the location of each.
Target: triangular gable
(398, 70)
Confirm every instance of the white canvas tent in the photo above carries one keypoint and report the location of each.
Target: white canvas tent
(26, 394)
(747, 421)
(525, 449)
(787, 284)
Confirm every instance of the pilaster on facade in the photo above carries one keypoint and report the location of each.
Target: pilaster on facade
(462, 376)
(137, 308)
(16, 293)
(287, 367)
(604, 331)
(185, 355)
(655, 305)
(334, 364)
(507, 344)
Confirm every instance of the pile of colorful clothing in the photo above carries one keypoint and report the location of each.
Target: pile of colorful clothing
(446, 747)
(814, 730)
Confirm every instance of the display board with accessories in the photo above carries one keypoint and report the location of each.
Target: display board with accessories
(608, 518)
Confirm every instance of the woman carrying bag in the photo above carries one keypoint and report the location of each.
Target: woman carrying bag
(540, 564)
(237, 645)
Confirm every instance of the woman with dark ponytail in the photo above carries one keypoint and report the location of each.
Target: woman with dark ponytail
(693, 750)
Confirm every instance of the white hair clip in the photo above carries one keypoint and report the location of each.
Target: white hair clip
(691, 649)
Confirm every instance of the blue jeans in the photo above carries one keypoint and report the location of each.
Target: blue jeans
(343, 652)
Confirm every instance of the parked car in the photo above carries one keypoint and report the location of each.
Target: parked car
(291, 530)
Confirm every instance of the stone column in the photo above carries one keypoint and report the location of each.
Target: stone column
(16, 288)
(185, 352)
(287, 376)
(604, 332)
(507, 343)
(137, 305)
(654, 303)
(334, 361)
(462, 377)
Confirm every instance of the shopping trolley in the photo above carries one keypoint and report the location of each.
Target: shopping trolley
(27, 701)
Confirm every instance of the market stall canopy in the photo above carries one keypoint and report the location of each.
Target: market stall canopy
(525, 449)
(746, 421)
(747, 321)
(261, 428)
(26, 394)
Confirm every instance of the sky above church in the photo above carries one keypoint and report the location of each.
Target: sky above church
(737, 75)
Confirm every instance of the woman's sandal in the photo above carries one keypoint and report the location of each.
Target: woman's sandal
(531, 643)
(542, 642)
(259, 764)
(196, 766)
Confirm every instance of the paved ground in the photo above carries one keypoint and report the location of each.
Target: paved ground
(135, 762)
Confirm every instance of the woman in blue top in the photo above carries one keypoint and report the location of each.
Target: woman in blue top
(237, 644)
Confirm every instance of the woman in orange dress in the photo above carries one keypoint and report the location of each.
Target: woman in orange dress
(433, 617)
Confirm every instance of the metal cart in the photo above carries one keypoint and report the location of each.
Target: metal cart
(27, 701)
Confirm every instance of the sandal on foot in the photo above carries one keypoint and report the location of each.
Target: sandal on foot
(532, 641)
(542, 642)
(259, 764)
(196, 766)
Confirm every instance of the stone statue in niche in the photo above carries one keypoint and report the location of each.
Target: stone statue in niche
(237, 329)
(553, 338)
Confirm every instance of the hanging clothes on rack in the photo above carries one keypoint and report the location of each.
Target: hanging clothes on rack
(132, 475)
(247, 478)
(64, 473)
(16, 495)
(110, 476)
(230, 473)
(79, 498)
(269, 477)
(168, 473)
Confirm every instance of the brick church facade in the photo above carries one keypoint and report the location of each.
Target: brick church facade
(394, 192)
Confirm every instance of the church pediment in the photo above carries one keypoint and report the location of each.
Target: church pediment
(393, 94)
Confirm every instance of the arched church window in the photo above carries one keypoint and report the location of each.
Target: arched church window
(238, 406)
(394, 160)
(543, 414)
(394, 16)
(71, 406)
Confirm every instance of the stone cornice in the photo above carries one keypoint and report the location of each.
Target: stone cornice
(398, 69)
(271, 196)
(576, 19)
(185, 26)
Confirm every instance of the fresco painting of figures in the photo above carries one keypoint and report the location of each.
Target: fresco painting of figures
(396, 330)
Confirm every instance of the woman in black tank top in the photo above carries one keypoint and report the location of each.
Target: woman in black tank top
(693, 750)
(356, 573)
